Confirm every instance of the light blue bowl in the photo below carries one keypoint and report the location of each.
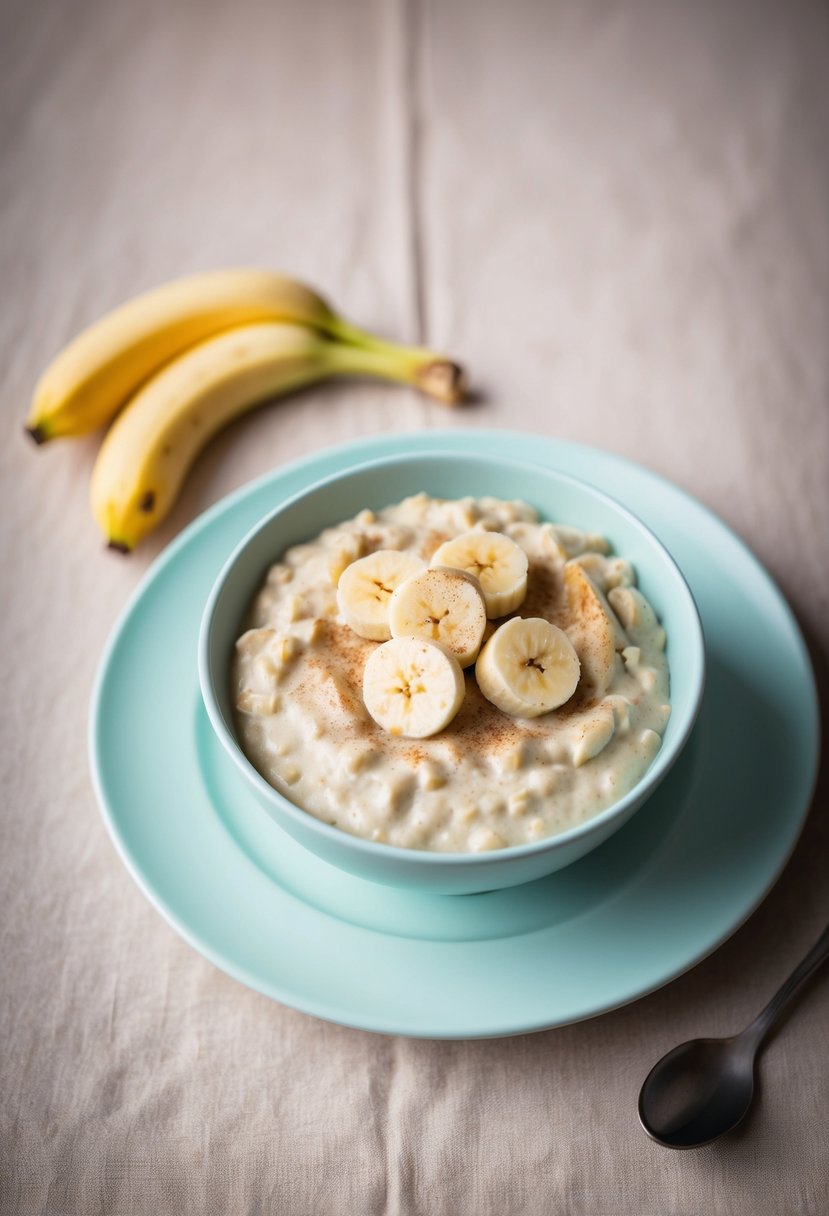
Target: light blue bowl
(558, 498)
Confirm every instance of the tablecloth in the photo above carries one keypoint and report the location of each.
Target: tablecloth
(616, 216)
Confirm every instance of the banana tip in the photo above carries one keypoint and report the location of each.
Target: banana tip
(445, 380)
(36, 433)
(118, 546)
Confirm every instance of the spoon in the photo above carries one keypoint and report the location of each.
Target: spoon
(703, 1088)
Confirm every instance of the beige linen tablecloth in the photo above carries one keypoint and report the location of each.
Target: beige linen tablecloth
(616, 214)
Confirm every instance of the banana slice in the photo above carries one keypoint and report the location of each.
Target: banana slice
(592, 627)
(441, 605)
(498, 563)
(634, 612)
(528, 667)
(412, 687)
(365, 588)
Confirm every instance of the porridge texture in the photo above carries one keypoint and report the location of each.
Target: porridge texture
(488, 779)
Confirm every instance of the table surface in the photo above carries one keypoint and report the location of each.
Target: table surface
(616, 216)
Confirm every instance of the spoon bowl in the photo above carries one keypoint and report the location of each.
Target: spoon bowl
(698, 1091)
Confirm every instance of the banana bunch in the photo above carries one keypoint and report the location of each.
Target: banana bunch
(431, 621)
(171, 367)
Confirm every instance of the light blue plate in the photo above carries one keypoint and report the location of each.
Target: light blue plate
(660, 895)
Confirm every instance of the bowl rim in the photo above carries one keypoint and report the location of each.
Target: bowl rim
(644, 787)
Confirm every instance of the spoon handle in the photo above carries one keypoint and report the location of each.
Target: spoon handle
(764, 1021)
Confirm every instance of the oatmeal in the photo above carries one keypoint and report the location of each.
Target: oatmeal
(490, 777)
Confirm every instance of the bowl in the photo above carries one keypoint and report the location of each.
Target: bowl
(557, 497)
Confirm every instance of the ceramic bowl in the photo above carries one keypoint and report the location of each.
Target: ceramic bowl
(557, 497)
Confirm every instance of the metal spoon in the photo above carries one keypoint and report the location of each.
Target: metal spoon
(703, 1088)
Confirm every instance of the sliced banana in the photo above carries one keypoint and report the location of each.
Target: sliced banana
(441, 605)
(528, 667)
(366, 586)
(412, 687)
(635, 613)
(592, 627)
(496, 561)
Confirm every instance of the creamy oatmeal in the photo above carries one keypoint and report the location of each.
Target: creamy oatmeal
(488, 779)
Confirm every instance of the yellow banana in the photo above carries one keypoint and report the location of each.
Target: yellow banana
(150, 446)
(92, 378)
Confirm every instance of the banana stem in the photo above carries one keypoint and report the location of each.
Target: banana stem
(433, 374)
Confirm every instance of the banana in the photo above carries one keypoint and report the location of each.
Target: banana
(592, 627)
(498, 563)
(91, 379)
(365, 589)
(528, 667)
(634, 614)
(150, 446)
(412, 687)
(441, 605)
